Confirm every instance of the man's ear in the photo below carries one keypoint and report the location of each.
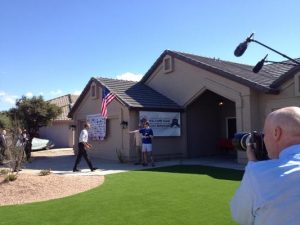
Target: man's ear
(277, 133)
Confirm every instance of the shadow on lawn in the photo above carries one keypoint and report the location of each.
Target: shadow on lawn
(215, 172)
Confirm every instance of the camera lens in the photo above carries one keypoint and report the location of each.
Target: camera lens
(241, 139)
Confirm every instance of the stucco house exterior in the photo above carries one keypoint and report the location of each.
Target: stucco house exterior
(214, 99)
(61, 131)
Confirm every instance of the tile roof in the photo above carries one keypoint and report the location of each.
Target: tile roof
(138, 95)
(65, 103)
(267, 80)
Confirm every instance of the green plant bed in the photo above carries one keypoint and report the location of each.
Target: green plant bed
(161, 196)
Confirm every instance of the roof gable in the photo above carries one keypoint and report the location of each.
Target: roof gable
(131, 94)
(65, 103)
(137, 95)
(267, 80)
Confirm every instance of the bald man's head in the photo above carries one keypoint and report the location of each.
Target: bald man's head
(282, 129)
(287, 118)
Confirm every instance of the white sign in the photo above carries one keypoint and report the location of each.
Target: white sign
(97, 130)
(162, 123)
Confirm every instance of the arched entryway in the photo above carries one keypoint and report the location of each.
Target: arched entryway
(211, 123)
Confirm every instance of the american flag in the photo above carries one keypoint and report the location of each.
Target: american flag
(107, 97)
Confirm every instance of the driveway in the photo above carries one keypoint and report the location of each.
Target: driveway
(61, 161)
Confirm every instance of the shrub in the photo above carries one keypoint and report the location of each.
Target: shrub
(4, 171)
(45, 172)
(120, 155)
(10, 177)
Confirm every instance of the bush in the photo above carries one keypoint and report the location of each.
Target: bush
(10, 177)
(4, 171)
(45, 172)
(121, 156)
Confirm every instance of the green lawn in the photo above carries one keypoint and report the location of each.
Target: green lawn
(161, 196)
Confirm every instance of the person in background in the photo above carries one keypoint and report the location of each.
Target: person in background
(3, 144)
(83, 145)
(21, 138)
(20, 146)
(147, 136)
(269, 193)
(27, 145)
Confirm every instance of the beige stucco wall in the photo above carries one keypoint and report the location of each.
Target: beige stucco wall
(116, 139)
(187, 82)
(60, 133)
(287, 97)
(262, 104)
(120, 139)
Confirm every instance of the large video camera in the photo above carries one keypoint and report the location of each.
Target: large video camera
(256, 139)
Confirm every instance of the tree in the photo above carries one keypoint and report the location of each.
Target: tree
(34, 113)
(5, 121)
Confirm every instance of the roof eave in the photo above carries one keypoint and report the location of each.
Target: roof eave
(277, 83)
(86, 89)
(154, 66)
(81, 96)
(157, 109)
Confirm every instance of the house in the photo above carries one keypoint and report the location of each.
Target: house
(212, 99)
(61, 131)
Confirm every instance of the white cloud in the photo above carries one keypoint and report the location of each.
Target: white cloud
(130, 76)
(29, 95)
(10, 99)
(76, 92)
(7, 101)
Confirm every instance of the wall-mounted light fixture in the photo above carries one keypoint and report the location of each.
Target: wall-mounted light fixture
(72, 127)
(220, 103)
(124, 124)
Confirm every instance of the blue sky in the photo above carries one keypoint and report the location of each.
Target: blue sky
(53, 47)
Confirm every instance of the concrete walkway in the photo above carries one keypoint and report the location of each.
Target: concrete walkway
(61, 161)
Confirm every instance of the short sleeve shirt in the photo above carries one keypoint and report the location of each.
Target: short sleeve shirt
(146, 133)
(84, 136)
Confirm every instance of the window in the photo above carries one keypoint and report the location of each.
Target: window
(168, 64)
(94, 91)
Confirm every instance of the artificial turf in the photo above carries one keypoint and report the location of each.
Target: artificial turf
(161, 196)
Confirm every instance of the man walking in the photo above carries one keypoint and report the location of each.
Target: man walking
(83, 145)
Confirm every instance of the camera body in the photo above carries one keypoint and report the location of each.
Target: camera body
(256, 139)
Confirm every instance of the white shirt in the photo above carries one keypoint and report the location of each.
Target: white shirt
(269, 193)
(84, 136)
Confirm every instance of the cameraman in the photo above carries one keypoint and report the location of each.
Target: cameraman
(269, 193)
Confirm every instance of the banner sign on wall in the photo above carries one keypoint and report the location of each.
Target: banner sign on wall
(97, 130)
(162, 123)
